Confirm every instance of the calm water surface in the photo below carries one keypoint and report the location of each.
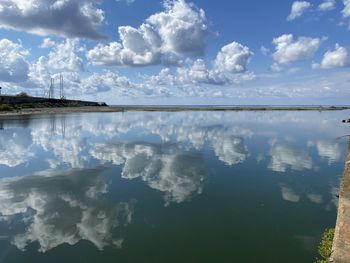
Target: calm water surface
(169, 187)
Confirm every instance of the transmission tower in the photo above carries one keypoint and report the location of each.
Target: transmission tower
(52, 89)
(61, 87)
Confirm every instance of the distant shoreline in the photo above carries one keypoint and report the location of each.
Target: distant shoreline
(229, 108)
(54, 110)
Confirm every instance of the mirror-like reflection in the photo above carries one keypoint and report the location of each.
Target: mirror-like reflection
(142, 181)
(62, 207)
(163, 167)
(284, 156)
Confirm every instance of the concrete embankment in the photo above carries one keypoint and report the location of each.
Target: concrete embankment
(341, 242)
(32, 102)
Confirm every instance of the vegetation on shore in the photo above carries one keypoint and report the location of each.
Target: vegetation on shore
(22, 101)
(10, 107)
(6, 107)
(325, 247)
(22, 94)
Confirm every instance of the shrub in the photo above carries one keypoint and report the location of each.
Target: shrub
(22, 94)
(325, 247)
(28, 105)
(5, 107)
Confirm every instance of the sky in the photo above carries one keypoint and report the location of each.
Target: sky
(230, 52)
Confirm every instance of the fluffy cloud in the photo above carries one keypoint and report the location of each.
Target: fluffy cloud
(180, 30)
(275, 67)
(346, 10)
(229, 66)
(264, 50)
(195, 74)
(233, 58)
(71, 18)
(107, 81)
(327, 5)
(47, 43)
(62, 208)
(64, 56)
(298, 8)
(39, 73)
(119, 85)
(13, 64)
(288, 50)
(139, 47)
(337, 58)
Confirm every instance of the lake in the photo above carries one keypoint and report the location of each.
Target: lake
(169, 186)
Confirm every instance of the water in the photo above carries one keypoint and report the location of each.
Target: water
(169, 187)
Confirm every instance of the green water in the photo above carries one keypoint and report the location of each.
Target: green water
(169, 187)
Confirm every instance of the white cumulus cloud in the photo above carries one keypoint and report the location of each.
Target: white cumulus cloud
(327, 5)
(229, 66)
(65, 56)
(233, 58)
(180, 30)
(70, 18)
(298, 9)
(14, 66)
(288, 49)
(346, 10)
(337, 58)
(47, 43)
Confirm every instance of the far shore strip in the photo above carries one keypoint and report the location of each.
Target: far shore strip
(53, 110)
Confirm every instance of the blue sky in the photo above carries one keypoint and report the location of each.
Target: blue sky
(177, 51)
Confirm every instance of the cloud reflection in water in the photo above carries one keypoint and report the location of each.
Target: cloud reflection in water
(62, 207)
(164, 167)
